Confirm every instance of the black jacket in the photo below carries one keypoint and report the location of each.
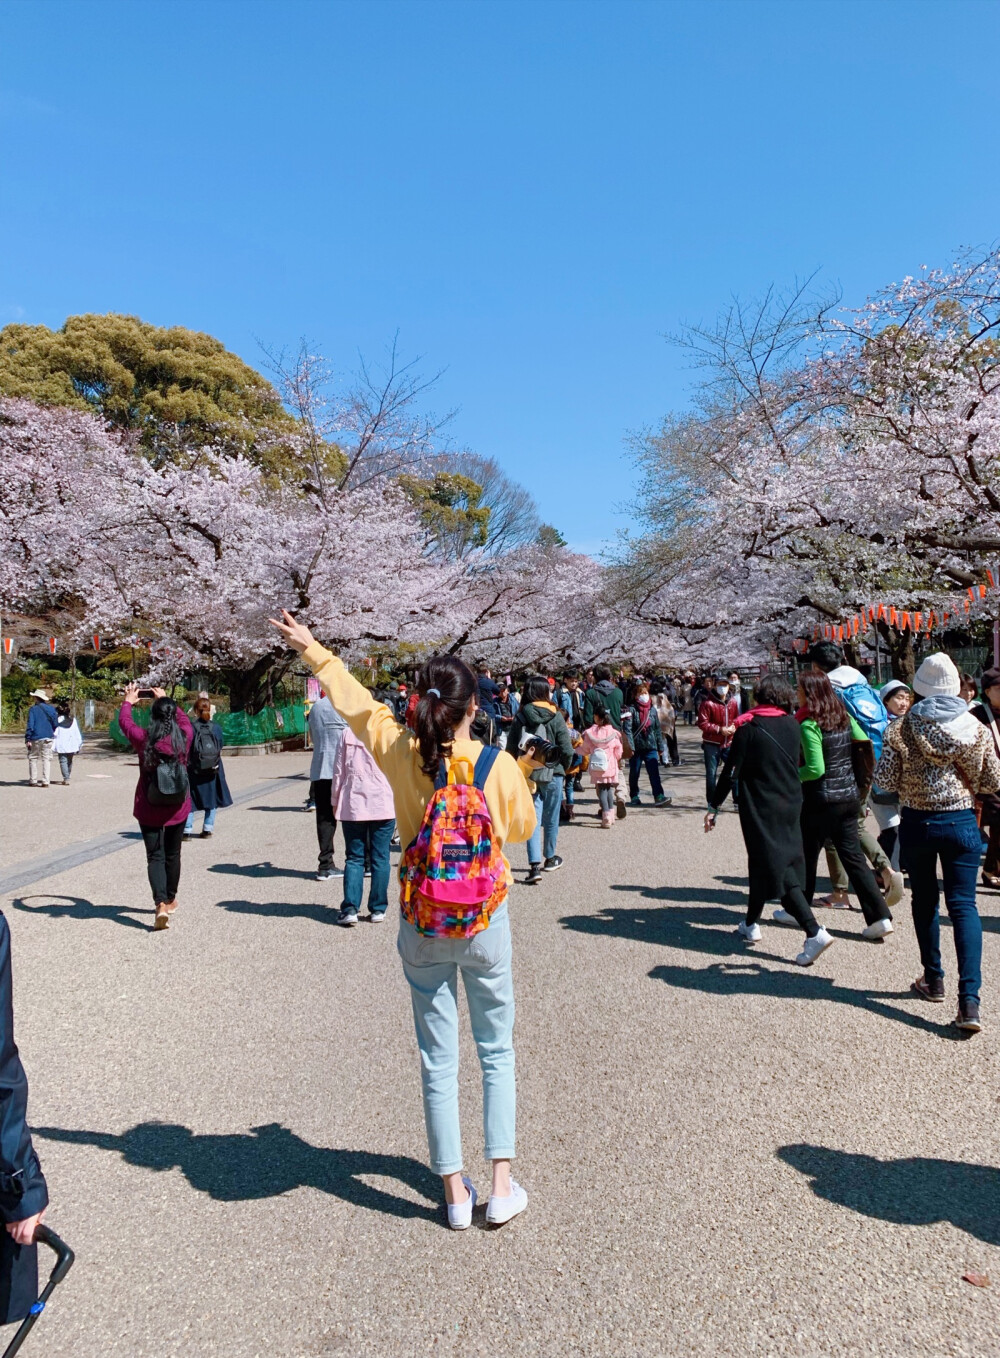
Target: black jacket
(550, 724)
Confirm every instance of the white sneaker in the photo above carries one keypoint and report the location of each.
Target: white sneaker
(879, 929)
(750, 933)
(460, 1213)
(812, 948)
(501, 1210)
(894, 891)
(783, 917)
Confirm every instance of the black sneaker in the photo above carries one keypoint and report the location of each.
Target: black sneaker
(930, 987)
(552, 864)
(968, 1017)
(348, 915)
(621, 810)
(328, 874)
(534, 874)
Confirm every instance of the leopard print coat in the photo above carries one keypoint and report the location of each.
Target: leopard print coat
(921, 760)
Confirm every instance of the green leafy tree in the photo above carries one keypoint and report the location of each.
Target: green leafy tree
(449, 508)
(174, 389)
(549, 536)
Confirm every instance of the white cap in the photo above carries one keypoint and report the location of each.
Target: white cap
(937, 677)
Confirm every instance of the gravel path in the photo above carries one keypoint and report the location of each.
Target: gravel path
(724, 1154)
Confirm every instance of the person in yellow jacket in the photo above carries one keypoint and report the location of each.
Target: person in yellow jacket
(409, 759)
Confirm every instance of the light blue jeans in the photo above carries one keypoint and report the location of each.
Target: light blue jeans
(209, 820)
(548, 801)
(431, 966)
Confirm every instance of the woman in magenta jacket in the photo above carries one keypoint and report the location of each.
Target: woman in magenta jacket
(168, 736)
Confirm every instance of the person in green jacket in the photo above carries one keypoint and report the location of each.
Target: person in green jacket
(538, 715)
(608, 695)
(832, 798)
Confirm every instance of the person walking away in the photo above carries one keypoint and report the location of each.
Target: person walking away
(538, 716)
(666, 714)
(162, 793)
(988, 712)
(24, 1195)
(868, 710)
(326, 730)
(602, 744)
(441, 935)
(687, 699)
(573, 774)
(206, 772)
(609, 695)
(717, 715)
(764, 756)
(362, 803)
(67, 741)
(39, 738)
(832, 796)
(896, 699)
(647, 747)
(939, 758)
(489, 693)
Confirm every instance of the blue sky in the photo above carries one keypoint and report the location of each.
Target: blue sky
(532, 194)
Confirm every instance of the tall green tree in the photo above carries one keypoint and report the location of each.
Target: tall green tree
(174, 389)
(449, 508)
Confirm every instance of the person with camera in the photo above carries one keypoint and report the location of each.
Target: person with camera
(540, 727)
(163, 793)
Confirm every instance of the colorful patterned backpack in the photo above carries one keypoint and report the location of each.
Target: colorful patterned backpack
(452, 877)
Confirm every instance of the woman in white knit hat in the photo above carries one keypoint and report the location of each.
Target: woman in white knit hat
(937, 758)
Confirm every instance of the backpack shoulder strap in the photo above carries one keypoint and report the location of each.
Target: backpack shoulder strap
(484, 764)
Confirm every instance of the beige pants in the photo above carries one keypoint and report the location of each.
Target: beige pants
(40, 761)
(871, 849)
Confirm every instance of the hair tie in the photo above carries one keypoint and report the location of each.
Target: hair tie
(435, 691)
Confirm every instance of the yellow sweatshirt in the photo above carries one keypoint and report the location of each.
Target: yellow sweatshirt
(397, 754)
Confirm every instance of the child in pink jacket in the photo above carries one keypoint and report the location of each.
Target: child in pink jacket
(362, 801)
(602, 742)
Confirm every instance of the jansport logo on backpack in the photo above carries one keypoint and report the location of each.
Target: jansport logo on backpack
(452, 877)
(206, 751)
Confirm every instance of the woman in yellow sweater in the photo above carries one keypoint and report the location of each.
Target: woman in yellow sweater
(448, 699)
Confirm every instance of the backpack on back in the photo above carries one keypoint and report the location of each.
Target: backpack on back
(452, 877)
(168, 783)
(206, 751)
(868, 710)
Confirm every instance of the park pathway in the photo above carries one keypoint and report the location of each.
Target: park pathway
(723, 1154)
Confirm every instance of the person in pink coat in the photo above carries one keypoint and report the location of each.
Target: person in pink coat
(602, 742)
(362, 803)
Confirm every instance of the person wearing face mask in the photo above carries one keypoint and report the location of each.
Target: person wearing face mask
(646, 736)
(717, 719)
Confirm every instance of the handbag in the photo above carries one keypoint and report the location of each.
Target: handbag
(863, 764)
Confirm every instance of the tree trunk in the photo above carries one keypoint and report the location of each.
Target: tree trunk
(901, 656)
(250, 689)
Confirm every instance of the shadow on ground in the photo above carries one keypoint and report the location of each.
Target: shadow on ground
(260, 870)
(264, 1163)
(916, 1192)
(322, 914)
(75, 907)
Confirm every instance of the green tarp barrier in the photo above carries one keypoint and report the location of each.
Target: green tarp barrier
(238, 728)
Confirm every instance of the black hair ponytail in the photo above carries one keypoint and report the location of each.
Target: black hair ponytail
(163, 725)
(446, 685)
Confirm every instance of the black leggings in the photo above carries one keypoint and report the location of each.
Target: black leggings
(163, 859)
(794, 901)
(838, 821)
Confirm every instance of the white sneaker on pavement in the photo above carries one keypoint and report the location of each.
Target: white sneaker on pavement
(750, 933)
(879, 929)
(812, 948)
(783, 917)
(501, 1210)
(460, 1213)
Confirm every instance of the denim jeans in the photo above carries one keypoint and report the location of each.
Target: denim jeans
(953, 837)
(714, 756)
(375, 836)
(208, 825)
(652, 766)
(431, 966)
(66, 766)
(548, 800)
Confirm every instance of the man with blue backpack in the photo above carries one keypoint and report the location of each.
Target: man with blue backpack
(868, 710)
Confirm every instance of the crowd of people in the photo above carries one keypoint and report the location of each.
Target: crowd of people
(465, 765)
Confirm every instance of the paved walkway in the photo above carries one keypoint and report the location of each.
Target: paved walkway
(724, 1154)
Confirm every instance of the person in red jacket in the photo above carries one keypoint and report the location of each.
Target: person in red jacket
(717, 719)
